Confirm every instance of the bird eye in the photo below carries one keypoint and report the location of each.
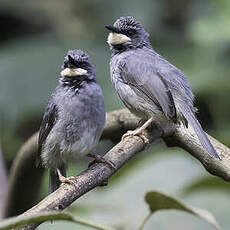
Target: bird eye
(83, 65)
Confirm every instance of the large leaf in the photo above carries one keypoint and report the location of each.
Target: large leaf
(158, 201)
(206, 182)
(43, 216)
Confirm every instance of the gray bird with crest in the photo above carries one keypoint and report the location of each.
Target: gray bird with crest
(149, 86)
(74, 117)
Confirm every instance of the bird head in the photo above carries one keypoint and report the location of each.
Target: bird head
(127, 32)
(77, 64)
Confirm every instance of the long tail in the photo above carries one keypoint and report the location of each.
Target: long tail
(54, 182)
(205, 142)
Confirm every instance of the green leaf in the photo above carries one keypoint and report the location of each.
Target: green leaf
(43, 216)
(159, 201)
(207, 182)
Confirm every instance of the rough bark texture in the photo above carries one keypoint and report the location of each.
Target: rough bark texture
(117, 123)
(25, 178)
(190, 143)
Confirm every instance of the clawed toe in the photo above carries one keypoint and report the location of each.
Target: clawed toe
(140, 131)
(136, 133)
(72, 178)
(66, 180)
(144, 138)
(128, 134)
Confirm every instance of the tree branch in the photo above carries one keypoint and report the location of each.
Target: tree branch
(187, 140)
(4, 185)
(24, 181)
(117, 123)
(25, 178)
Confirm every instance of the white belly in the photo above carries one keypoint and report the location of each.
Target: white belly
(81, 147)
(56, 151)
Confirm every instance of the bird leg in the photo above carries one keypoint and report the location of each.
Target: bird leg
(139, 131)
(63, 179)
(100, 159)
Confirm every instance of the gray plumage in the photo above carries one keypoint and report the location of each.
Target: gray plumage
(149, 85)
(74, 117)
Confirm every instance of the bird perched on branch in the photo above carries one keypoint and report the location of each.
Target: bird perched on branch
(149, 86)
(74, 117)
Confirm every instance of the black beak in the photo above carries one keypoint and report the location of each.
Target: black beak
(112, 29)
(71, 60)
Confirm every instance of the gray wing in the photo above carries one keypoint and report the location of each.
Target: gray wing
(48, 122)
(141, 73)
(176, 81)
(184, 97)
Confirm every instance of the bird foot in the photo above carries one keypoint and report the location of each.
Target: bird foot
(137, 132)
(100, 159)
(66, 180)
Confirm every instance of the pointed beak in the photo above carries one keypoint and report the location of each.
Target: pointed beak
(112, 29)
(71, 60)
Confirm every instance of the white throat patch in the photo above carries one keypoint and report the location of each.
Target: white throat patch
(117, 39)
(69, 72)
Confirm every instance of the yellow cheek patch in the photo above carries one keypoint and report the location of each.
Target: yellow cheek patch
(69, 72)
(117, 39)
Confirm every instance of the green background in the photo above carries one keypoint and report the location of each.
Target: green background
(193, 35)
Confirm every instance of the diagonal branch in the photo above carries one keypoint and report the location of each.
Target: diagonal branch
(4, 185)
(117, 123)
(187, 140)
(98, 173)
(25, 178)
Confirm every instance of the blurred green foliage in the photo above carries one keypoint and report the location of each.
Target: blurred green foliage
(193, 35)
(158, 201)
(19, 221)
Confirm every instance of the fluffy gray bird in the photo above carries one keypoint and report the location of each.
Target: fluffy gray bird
(74, 117)
(148, 85)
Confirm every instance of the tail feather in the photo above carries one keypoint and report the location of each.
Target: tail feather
(54, 182)
(205, 142)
